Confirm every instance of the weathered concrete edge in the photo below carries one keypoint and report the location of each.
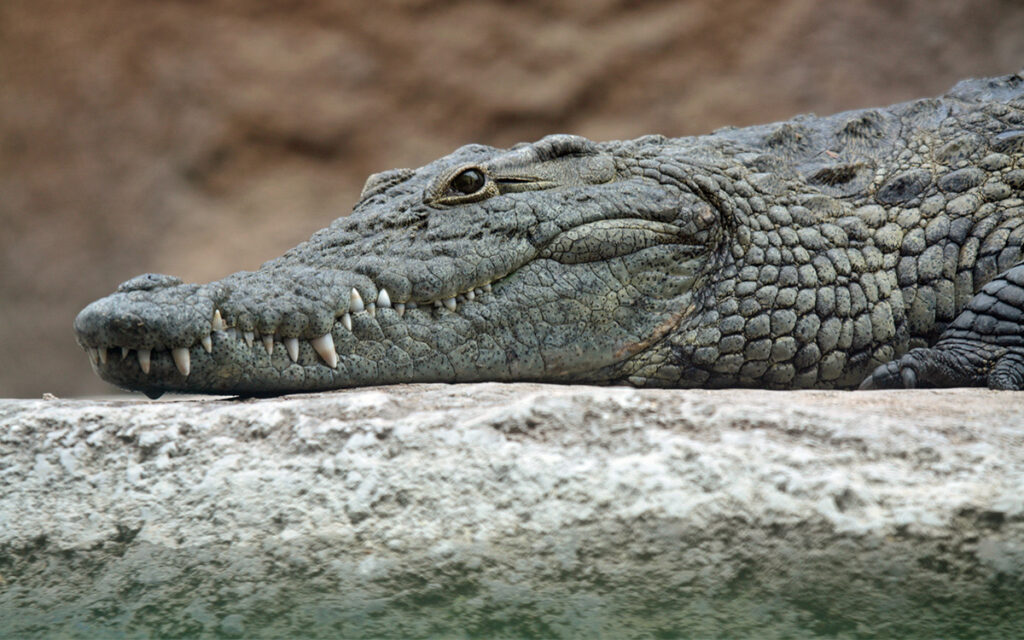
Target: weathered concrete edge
(516, 510)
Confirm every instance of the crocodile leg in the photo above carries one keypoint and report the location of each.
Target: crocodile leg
(983, 346)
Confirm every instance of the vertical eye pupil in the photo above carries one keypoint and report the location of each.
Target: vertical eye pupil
(469, 181)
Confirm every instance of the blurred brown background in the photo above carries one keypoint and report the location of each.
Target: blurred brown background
(200, 138)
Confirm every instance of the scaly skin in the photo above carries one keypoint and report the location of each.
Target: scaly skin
(809, 253)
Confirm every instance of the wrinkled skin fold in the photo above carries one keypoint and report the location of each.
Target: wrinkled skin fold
(819, 252)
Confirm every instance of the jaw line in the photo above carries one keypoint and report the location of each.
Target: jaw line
(159, 368)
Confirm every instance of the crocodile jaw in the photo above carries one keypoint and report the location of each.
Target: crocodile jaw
(521, 327)
(214, 354)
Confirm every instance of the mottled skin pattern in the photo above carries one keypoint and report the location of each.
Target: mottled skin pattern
(814, 253)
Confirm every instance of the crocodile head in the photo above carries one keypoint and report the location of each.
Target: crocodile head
(553, 261)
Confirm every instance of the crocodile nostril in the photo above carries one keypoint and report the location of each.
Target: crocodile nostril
(148, 282)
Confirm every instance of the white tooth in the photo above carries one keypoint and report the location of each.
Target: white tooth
(478, 291)
(400, 309)
(371, 309)
(218, 322)
(103, 355)
(347, 321)
(487, 287)
(470, 295)
(124, 352)
(207, 343)
(249, 337)
(450, 303)
(94, 355)
(182, 360)
(143, 355)
(383, 299)
(291, 345)
(356, 302)
(437, 303)
(324, 345)
(268, 343)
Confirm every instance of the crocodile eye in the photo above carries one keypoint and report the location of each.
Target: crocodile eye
(469, 181)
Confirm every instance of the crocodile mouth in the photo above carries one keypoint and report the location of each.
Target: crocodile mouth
(225, 333)
(327, 328)
(598, 240)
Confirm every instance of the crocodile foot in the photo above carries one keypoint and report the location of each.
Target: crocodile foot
(951, 363)
(982, 347)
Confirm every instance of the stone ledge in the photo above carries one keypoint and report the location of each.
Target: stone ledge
(525, 510)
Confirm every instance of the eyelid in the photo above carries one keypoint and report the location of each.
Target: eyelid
(446, 196)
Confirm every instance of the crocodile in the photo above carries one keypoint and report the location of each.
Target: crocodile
(879, 248)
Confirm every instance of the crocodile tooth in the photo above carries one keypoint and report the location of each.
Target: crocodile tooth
(478, 291)
(182, 360)
(143, 355)
(102, 354)
(383, 299)
(124, 352)
(291, 345)
(324, 346)
(450, 303)
(437, 303)
(94, 355)
(218, 322)
(207, 343)
(371, 309)
(487, 287)
(347, 321)
(400, 309)
(470, 295)
(268, 343)
(355, 302)
(249, 337)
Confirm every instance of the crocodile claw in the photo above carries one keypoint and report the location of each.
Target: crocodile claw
(897, 374)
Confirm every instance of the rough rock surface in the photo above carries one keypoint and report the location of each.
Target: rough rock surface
(516, 511)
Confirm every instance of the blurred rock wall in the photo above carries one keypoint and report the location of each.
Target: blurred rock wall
(200, 138)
